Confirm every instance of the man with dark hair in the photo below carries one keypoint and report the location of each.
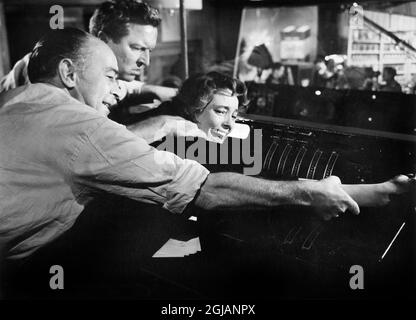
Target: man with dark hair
(59, 150)
(113, 18)
(129, 27)
(48, 52)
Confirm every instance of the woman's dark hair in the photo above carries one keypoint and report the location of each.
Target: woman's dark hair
(112, 17)
(52, 48)
(197, 92)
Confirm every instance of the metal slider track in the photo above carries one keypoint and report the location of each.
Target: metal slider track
(314, 163)
(330, 165)
(269, 155)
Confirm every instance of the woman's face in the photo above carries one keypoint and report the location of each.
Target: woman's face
(218, 118)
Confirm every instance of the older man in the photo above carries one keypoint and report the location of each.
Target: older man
(59, 150)
(129, 27)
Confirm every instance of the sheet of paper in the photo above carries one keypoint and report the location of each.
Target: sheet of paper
(175, 248)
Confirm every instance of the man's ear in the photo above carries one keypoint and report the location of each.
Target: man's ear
(103, 36)
(67, 72)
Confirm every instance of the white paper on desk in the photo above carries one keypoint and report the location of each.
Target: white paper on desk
(176, 248)
(194, 245)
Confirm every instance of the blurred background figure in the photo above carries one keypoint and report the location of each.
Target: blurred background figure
(342, 82)
(260, 58)
(325, 74)
(370, 79)
(411, 85)
(319, 79)
(391, 84)
(246, 72)
(331, 74)
(280, 75)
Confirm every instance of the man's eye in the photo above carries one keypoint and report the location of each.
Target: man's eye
(219, 111)
(138, 48)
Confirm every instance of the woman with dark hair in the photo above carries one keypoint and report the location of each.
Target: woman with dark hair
(211, 101)
(280, 75)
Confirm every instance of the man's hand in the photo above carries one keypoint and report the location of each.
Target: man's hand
(231, 190)
(395, 186)
(379, 194)
(401, 183)
(329, 198)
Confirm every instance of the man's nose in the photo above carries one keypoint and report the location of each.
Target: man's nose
(144, 59)
(116, 91)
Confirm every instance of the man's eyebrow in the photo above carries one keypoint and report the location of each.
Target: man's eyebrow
(222, 106)
(110, 69)
(137, 44)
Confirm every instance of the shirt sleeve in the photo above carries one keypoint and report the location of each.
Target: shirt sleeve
(7, 82)
(113, 159)
(129, 88)
(17, 76)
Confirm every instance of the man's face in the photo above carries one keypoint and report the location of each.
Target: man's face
(387, 76)
(133, 50)
(218, 118)
(96, 83)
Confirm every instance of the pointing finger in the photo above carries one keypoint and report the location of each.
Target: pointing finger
(352, 205)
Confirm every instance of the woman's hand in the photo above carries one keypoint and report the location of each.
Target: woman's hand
(178, 126)
(155, 128)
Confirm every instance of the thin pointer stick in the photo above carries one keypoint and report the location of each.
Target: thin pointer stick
(388, 248)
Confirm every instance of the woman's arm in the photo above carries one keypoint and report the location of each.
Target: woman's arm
(155, 128)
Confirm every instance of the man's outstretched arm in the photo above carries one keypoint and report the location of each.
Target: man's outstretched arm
(231, 190)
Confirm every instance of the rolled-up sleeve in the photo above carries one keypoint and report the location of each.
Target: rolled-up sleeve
(128, 88)
(112, 159)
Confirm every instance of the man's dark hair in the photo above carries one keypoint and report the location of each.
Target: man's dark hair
(391, 71)
(112, 17)
(52, 48)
